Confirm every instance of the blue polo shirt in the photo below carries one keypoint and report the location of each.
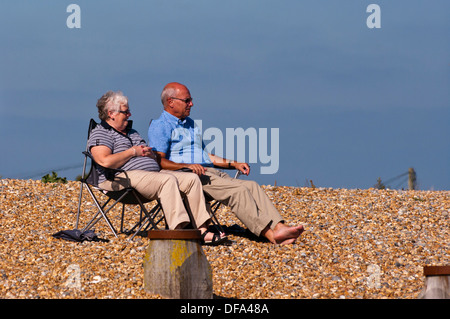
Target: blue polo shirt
(180, 140)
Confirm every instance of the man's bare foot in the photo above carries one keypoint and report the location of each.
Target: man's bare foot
(282, 234)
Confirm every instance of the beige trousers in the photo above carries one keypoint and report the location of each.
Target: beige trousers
(166, 186)
(246, 199)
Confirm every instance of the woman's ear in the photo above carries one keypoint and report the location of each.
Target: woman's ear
(111, 115)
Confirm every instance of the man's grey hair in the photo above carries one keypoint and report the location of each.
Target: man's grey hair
(167, 93)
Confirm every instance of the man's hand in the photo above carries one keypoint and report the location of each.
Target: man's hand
(169, 165)
(196, 168)
(244, 168)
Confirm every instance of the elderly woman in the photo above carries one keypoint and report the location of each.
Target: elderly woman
(114, 145)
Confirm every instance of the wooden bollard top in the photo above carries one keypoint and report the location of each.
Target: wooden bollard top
(436, 270)
(188, 234)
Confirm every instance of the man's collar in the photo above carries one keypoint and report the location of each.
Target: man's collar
(173, 118)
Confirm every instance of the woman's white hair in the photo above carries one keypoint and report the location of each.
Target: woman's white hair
(110, 101)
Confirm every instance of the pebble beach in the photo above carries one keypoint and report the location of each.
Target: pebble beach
(357, 244)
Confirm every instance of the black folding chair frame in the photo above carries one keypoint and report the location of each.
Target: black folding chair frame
(216, 204)
(125, 196)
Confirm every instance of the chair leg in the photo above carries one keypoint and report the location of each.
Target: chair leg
(79, 206)
(148, 217)
(103, 213)
(147, 220)
(94, 220)
(213, 211)
(121, 220)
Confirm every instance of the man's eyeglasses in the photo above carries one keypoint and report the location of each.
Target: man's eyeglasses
(187, 101)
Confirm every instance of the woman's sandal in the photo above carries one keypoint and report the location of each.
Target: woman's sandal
(216, 240)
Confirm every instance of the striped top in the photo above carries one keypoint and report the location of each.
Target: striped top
(104, 134)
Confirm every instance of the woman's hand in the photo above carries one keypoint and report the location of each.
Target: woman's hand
(146, 151)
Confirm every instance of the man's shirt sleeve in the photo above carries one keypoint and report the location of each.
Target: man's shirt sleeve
(159, 137)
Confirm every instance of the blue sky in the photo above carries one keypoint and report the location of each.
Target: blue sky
(351, 103)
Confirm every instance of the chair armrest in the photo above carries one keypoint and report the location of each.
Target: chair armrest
(117, 170)
(109, 172)
(225, 168)
(238, 172)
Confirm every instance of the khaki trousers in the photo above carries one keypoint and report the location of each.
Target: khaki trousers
(246, 199)
(166, 186)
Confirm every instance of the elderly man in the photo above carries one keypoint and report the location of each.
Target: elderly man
(178, 141)
(113, 144)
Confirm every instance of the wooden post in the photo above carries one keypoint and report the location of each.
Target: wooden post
(437, 282)
(411, 179)
(175, 265)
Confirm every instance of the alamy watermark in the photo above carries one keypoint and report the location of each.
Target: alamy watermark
(74, 277)
(74, 18)
(373, 20)
(236, 146)
(374, 278)
(250, 145)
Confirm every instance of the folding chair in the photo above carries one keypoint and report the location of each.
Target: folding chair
(127, 196)
(215, 204)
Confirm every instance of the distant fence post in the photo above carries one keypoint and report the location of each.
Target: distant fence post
(411, 179)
